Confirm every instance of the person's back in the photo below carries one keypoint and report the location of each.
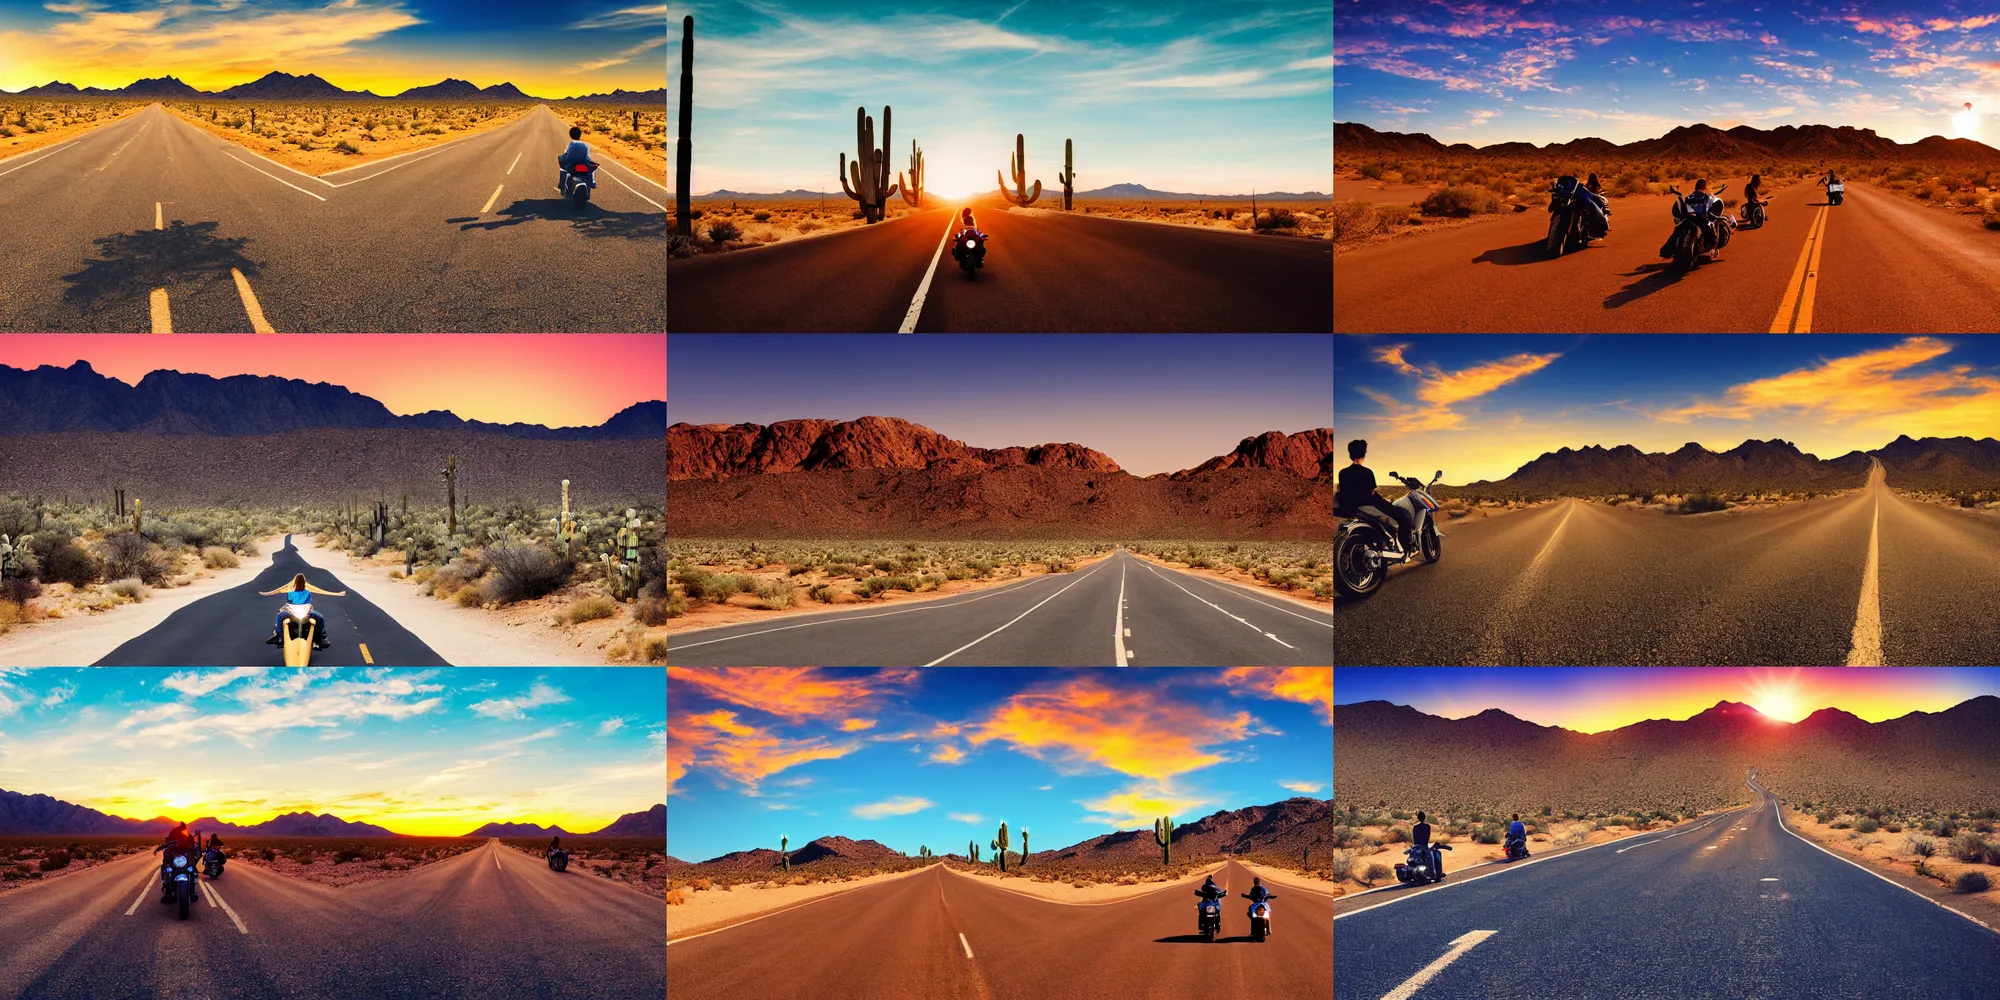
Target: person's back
(1356, 487)
(1517, 830)
(576, 152)
(1209, 890)
(1420, 834)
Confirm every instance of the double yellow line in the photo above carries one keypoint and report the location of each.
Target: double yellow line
(1795, 311)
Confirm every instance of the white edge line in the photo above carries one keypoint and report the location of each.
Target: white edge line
(1780, 812)
(50, 151)
(281, 180)
(923, 289)
(1656, 840)
(1459, 946)
(216, 897)
(1016, 618)
(1258, 628)
(1241, 591)
(1118, 627)
(929, 605)
(635, 193)
(1517, 866)
(819, 899)
(962, 943)
(144, 887)
(428, 153)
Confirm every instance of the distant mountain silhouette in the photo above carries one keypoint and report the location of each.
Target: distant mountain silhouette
(297, 824)
(1141, 191)
(1946, 464)
(25, 814)
(519, 830)
(656, 97)
(465, 90)
(824, 848)
(279, 86)
(1281, 827)
(651, 823)
(1816, 143)
(49, 400)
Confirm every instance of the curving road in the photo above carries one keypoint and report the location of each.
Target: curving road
(1045, 272)
(1576, 583)
(490, 923)
(1883, 263)
(151, 223)
(937, 935)
(229, 628)
(1718, 908)
(1122, 611)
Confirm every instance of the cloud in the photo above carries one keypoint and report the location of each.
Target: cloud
(901, 805)
(195, 683)
(538, 696)
(58, 696)
(1439, 390)
(946, 753)
(1887, 388)
(277, 700)
(1081, 722)
(1305, 685)
(944, 729)
(974, 818)
(856, 725)
(793, 692)
(1138, 804)
(627, 17)
(1045, 788)
(609, 726)
(1302, 787)
(740, 751)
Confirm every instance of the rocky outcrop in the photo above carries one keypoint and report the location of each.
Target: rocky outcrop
(720, 451)
(1307, 453)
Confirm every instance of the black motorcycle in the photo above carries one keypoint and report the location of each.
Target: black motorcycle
(1574, 217)
(558, 860)
(1421, 868)
(969, 249)
(211, 863)
(1753, 215)
(1516, 848)
(1208, 916)
(177, 878)
(1701, 229)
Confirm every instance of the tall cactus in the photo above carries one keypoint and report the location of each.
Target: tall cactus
(785, 853)
(684, 148)
(1019, 166)
(138, 522)
(1024, 847)
(913, 188)
(1067, 177)
(450, 475)
(1002, 846)
(871, 167)
(1163, 835)
(972, 851)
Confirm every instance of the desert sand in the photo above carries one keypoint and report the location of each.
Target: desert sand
(1309, 219)
(1023, 881)
(57, 120)
(710, 909)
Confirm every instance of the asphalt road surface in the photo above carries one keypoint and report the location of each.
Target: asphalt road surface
(229, 628)
(941, 936)
(1719, 908)
(1169, 618)
(1883, 263)
(1045, 272)
(490, 924)
(151, 221)
(1581, 583)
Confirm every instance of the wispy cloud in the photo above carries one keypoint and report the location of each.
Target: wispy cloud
(1138, 804)
(538, 696)
(1302, 787)
(1305, 685)
(1439, 390)
(609, 726)
(973, 818)
(901, 805)
(946, 753)
(1892, 388)
(739, 751)
(856, 725)
(792, 692)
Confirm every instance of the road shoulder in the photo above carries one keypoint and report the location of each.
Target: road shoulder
(1982, 907)
(718, 908)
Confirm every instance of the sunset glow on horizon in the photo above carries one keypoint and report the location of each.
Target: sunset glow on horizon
(1596, 699)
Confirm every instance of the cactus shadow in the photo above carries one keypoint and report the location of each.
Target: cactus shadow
(132, 264)
(591, 221)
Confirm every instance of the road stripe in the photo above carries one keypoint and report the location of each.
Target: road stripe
(963, 944)
(1002, 628)
(511, 166)
(1254, 627)
(635, 192)
(924, 288)
(157, 223)
(1670, 836)
(216, 897)
(250, 305)
(272, 176)
(413, 152)
(933, 605)
(47, 151)
(1795, 309)
(489, 202)
(364, 655)
(1118, 629)
(145, 886)
(1240, 591)
(496, 860)
(163, 317)
(1866, 650)
(1781, 825)
(1459, 946)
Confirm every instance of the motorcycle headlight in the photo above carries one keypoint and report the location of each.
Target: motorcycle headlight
(970, 244)
(180, 862)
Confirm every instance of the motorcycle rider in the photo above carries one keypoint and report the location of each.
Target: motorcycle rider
(576, 152)
(1518, 831)
(555, 844)
(1420, 836)
(1593, 189)
(966, 228)
(1750, 192)
(1259, 894)
(300, 592)
(1357, 491)
(1209, 890)
(178, 841)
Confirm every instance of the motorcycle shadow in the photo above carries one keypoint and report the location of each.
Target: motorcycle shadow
(1652, 278)
(591, 221)
(1198, 939)
(1532, 252)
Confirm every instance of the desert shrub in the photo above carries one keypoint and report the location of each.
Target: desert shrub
(655, 650)
(1376, 872)
(1921, 846)
(1702, 503)
(701, 585)
(1867, 826)
(651, 611)
(19, 589)
(883, 565)
(1398, 835)
(217, 557)
(1968, 847)
(796, 570)
(1967, 882)
(129, 555)
(17, 518)
(1461, 201)
(838, 570)
(59, 860)
(523, 571)
(761, 216)
(346, 854)
(1840, 824)
(590, 609)
(878, 584)
(723, 231)
(1276, 218)
(675, 606)
(131, 587)
(1488, 833)
(779, 593)
(471, 595)
(1343, 865)
(1892, 827)
(821, 593)
(675, 897)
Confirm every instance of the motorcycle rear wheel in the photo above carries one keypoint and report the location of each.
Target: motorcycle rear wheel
(1350, 573)
(1684, 254)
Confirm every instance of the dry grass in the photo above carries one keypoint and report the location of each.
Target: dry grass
(317, 137)
(1298, 569)
(1300, 219)
(28, 123)
(756, 223)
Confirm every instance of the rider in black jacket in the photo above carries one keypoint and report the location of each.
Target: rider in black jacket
(1357, 490)
(1259, 894)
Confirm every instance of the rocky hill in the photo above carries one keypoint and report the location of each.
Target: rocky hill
(1307, 454)
(519, 830)
(28, 814)
(280, 86)
(823, 849)
(1817, 143)
(651, 823)
(1282, 827)
(714, 451)
(297, 824)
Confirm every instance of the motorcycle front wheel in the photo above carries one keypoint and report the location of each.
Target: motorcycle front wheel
(184, 897)
(1432, 543)
(1684, 253)
(1355, 574)
(1558, 234)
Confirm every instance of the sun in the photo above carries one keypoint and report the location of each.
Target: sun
(1965, 124)
(1779, 699)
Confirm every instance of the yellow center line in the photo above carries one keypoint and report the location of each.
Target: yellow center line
(257, 321)
(163, 318)
(490, 201)
(1795, 310)
(157, 224)
(364, 655)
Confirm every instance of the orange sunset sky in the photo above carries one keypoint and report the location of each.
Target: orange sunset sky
(560, 380)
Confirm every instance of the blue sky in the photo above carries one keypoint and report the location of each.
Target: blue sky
(1154, 403)
(421, 752)
(1553, 70)
(1180, 96)
(1479, 406)
(943, 756)
(547, 49)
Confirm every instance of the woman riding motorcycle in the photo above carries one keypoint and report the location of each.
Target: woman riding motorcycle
(300, 592)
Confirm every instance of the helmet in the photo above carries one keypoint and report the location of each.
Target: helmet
(966, 214)
(1256, 881)
(1209, 880)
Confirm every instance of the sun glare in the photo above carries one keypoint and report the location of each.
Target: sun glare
(1965, 124)
(1779, 700)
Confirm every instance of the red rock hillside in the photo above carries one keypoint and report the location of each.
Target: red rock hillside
(718, 451)
(1307, 453)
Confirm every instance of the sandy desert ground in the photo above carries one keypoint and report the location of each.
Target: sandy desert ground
(699, 904)
(1278, 568)
(1895, 844)
(1310, 220)
(29, 123)
(722, 226)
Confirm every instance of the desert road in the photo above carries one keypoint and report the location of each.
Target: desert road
(1718, 908)
(1045, 272)
(1122, 611)
(1879, 263)
(941, 936)
(1866, 578)
(490, 924)
(152, 224)
(229, 628)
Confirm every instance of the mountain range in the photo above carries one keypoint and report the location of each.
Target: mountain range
(651, 823)
(38, 814)
(51, 400)
(1946, 464)
(1493, 761)
(1132, 192)
(1816, 143)
(280, 86)
(887, 477)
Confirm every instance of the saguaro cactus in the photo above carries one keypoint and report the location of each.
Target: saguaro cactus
(138, 517)
(871, 167)
(1019, 166)
(913, 188)
(450, 475)
(1163, 835)
(684, 147)
(1001, 846)
(1024, 847)
(785, 853)
(1067, 177)
(972, 851)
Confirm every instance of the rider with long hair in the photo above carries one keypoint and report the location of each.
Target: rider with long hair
(300, 592)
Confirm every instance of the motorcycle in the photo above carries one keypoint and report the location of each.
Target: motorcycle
(1365, 549)
(1701, 229)
(576, 182)
(211, 863)
(177, 879)
(1420, 868)
(1516, 848)
(1208, 916)
(298, 633)
(558, 860)
(1834, 191)
(969, 249)
(1574, 218)
(1754, 216)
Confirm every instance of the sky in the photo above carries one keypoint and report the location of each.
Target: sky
(1153, 403)
(1480, 406)
(419, 752)
(1595, 699)
(1553, 70)
(939, 757)
(1177, 95)
(559, 380)
(385, 46)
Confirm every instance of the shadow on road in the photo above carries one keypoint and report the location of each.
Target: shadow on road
(1527, 253)
(590, 221)
(1655, 277)
(133, 264)
(1197, 939)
